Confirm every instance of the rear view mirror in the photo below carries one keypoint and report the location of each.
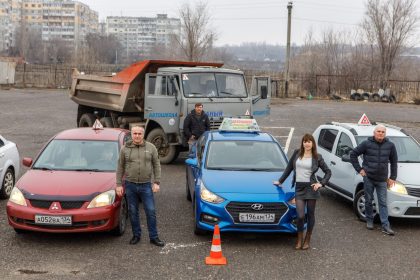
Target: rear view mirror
(264, 92)
(192, 162)
(346, 157)
(27, 162)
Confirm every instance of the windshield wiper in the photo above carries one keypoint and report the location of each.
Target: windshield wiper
(89, 170)
(262, 169)
(43, 168)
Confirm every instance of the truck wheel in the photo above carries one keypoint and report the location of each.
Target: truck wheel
(106, 122)
(167, 153)
(87, 120)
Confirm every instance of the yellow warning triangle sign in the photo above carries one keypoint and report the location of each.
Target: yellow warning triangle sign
(364, 120)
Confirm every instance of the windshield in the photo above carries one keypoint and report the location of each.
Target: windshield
(407, 149)
(245, 155)
(79, 155)
(213, 85)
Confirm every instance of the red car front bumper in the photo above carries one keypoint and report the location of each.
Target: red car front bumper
(83, 219)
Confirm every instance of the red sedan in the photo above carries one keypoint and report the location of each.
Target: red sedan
(70, 186)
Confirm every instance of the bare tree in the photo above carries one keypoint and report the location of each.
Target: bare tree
(197, 36)
(101, 48)
(388, 25)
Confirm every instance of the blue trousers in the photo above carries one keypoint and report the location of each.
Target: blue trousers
(143, 191)
(381, 192)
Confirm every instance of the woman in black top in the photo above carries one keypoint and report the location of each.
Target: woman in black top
(305, 162)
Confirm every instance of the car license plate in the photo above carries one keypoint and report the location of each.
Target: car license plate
(256, 217)
(53, 220)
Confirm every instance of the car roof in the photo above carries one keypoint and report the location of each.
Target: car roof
(199, 70)
(88, 133)
(367, 130)
(242, 136)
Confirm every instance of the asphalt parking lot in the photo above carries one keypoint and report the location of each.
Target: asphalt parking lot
(342, 247)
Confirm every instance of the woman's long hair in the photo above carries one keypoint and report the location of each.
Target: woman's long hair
(308, 137)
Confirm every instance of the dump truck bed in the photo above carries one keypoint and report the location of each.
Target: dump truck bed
(123, 92)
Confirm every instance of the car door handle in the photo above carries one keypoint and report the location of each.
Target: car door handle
(333, 162)
(149, 109)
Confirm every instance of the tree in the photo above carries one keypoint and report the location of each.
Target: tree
(101, 48)
(389, 25)
(197, 37)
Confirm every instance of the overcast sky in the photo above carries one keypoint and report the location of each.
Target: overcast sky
(238, 21)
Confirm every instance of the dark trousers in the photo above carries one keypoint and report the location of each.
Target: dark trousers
(142, 191)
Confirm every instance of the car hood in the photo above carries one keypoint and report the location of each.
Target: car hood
(408, 173)
(66, 183)
(250, 182)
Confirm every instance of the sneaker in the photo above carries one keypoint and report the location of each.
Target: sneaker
(388, 230)
(369, 225)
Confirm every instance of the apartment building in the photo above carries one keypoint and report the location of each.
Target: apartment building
(139, 35)
(10, 14)
(55, 19)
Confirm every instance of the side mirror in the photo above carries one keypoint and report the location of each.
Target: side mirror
(264, 92)
(27, 162)
(346, 157)
(192, 162)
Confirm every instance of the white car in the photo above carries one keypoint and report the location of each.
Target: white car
(336, 140)
(9, 166)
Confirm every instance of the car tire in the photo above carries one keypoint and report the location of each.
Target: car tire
(197, 230)
(187, 187)
(122, 219)
(375, 97)
(167, 153)
(7, 184)
(107, 122)
(20, 231)
(87, 120)
(359, 205)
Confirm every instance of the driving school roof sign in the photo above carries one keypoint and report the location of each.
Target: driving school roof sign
(237, 124)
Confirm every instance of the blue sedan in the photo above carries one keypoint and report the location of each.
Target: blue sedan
(230, 178)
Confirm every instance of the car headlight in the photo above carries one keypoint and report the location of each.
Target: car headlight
(208, 196)
(398, 188)
(104, 199)
(16, 196)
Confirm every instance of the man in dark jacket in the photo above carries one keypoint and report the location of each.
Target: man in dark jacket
(377, 153)
(195, 124)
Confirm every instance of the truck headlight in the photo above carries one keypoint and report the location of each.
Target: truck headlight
(16, 196)
(208, 196)
(104, 199)
(398, 188)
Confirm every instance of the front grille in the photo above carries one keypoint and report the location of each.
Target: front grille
(413, 191)
(413, 211)
(234, 208)
(73, 225)
(45, 204)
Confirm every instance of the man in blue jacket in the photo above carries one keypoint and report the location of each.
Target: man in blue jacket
(377, 153)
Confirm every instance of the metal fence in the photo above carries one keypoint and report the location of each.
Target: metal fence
(59, 76)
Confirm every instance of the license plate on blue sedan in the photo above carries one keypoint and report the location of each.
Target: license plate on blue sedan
(256, 217)
(53, 220)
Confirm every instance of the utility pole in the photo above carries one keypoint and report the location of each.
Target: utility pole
(289, 27)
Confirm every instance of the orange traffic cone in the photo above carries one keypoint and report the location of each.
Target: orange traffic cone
(216, 256)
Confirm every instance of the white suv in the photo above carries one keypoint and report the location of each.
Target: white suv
(336, 140)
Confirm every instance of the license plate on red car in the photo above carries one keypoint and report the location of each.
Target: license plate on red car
(53, 220)
(256, 217)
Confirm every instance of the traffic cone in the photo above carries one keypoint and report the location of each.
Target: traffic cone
(216, 257)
